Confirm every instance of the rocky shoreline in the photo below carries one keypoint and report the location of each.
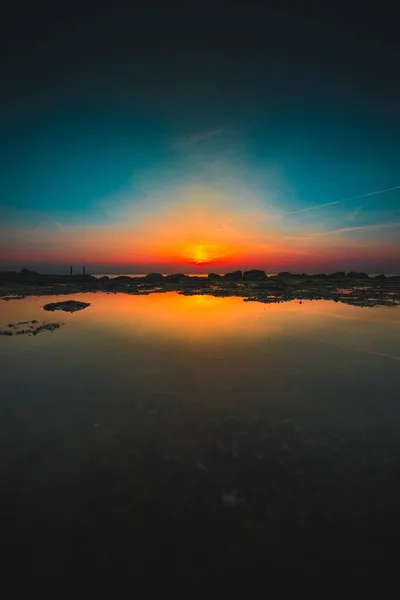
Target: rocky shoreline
(350, 288)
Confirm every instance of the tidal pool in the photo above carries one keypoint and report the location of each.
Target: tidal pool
(166, 432)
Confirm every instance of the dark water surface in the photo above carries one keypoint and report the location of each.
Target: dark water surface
(200, 438)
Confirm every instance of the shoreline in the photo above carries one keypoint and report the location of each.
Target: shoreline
(253, 286)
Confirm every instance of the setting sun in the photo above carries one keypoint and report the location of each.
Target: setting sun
(205, 253)
(200, 254)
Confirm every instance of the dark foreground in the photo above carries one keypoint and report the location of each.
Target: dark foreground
(143, 442)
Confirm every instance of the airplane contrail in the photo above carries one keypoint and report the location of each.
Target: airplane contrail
(396, 187)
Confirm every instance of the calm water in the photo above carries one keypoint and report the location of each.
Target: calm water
(200, 437)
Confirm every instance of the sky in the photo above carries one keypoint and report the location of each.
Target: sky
(200, 136)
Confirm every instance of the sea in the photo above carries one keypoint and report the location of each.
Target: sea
(199, 440)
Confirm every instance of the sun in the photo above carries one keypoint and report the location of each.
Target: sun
(203, 253)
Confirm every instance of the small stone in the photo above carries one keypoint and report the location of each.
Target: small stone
(232, 500)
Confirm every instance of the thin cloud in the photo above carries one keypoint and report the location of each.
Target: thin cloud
(198, 138)
(358, 228)
(293, 212)
(375, 193)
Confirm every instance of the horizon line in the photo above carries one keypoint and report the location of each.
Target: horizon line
(143, 274)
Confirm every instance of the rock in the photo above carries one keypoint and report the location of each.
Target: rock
(33, 329)
(6, 276)
(175, 277)
(381, 276)
(285, 274)
(194, 283)
(78, 278)
(67, 306)
(153, 278)
(232, 499)
(28, 273)
(254, 275)
(337, 275)
(200, 466)
(356, 275)
(214, 276)
(234, 276)
(122, 281)
(121, 278)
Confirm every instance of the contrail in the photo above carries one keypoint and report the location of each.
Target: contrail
(396, 187)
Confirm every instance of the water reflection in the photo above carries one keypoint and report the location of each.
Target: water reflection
(207, 318)
(236, 429)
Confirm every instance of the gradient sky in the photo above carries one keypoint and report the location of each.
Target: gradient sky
(203, 136)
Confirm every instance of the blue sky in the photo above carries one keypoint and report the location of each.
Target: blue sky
(288, 114)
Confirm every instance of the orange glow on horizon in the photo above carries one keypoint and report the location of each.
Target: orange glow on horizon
(195, 226)
(204, 253)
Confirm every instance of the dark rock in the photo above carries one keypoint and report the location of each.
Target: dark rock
(27, 275)
(120, 283)
(356, 275)
(285, 274)
(122, 278)
(153, 278)
(337, 275)
(67, 306)
(234, 276)
(6, 276)
(254, 274)
(33, 329)
(214, 276)
(175, 277)
(195, 282)
(381, 276)
(85, 277)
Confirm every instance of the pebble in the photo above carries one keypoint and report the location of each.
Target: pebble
(231, 500)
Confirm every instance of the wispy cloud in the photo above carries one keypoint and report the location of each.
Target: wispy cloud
(197, 138)
(354, 214)
(358, 228)
(375, 193)
(293, 212)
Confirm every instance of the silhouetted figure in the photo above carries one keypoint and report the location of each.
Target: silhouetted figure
(70, 270)
(83, 271)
